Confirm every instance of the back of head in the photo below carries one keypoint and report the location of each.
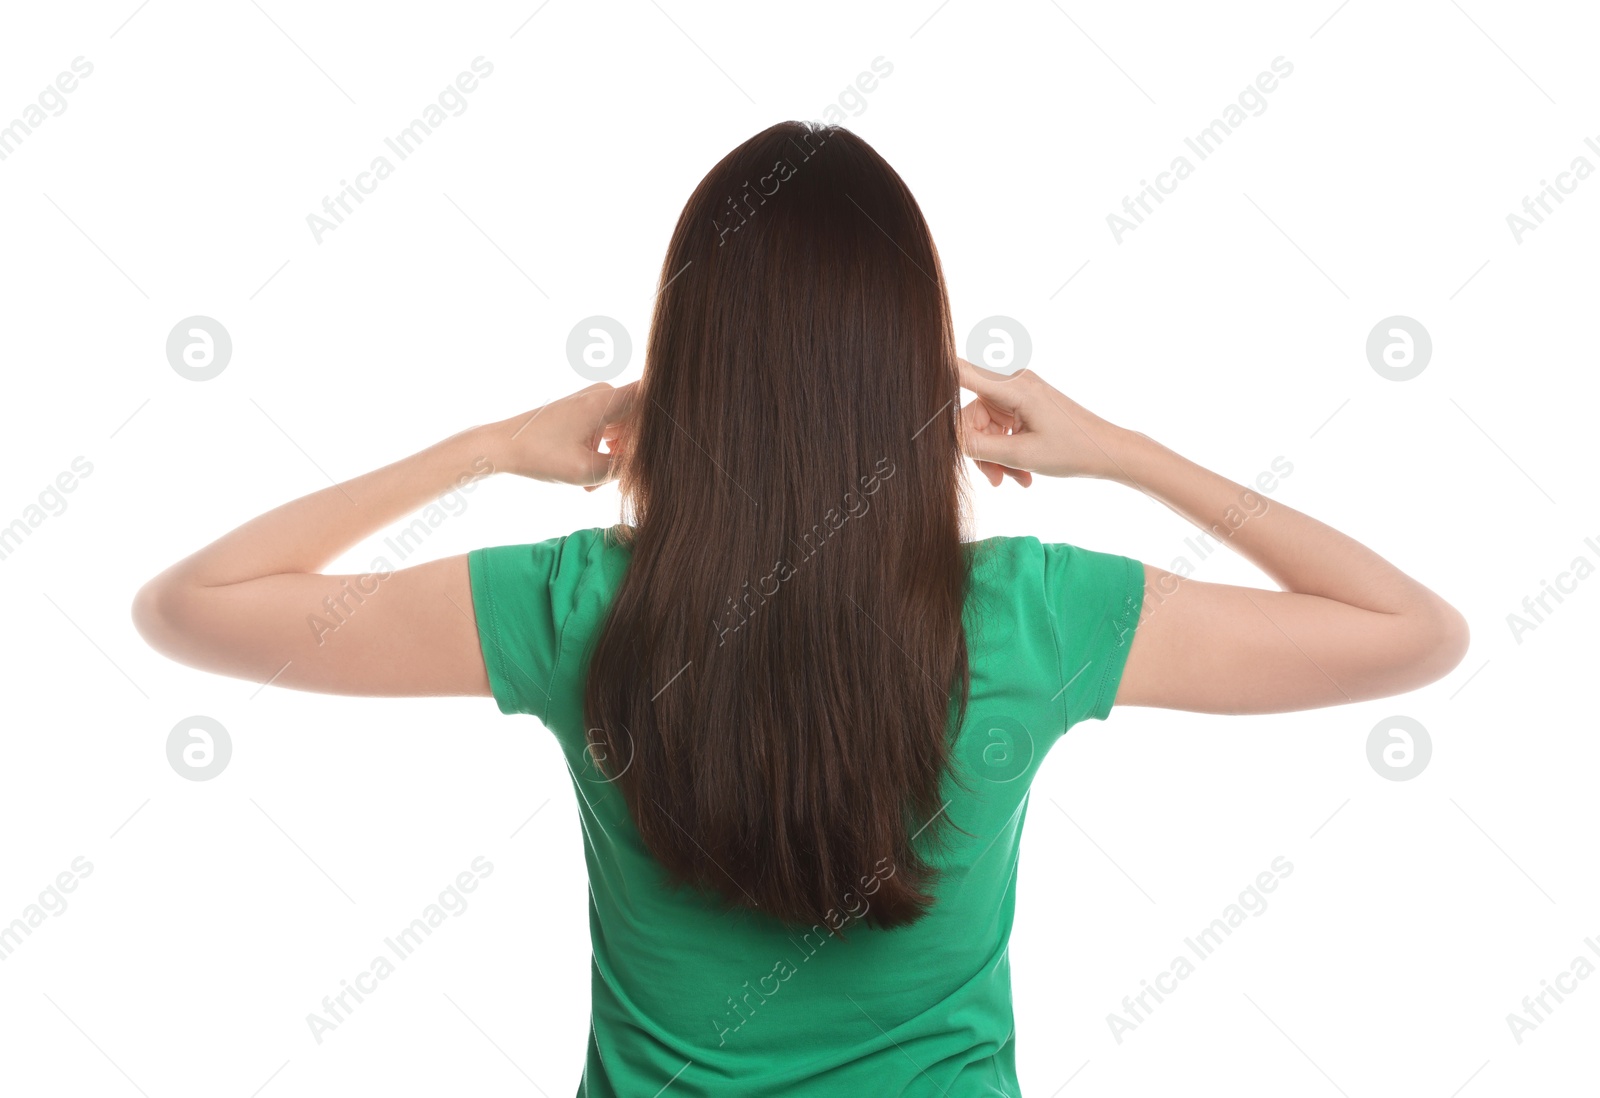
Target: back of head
(783, 659)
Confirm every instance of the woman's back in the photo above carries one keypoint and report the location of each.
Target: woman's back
(725, 1001)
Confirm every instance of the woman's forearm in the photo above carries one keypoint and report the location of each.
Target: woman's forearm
(1298, 552)
(1347, 626)
(257, 604)
(305, 535)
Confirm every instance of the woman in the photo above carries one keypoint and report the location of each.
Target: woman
(801, 714)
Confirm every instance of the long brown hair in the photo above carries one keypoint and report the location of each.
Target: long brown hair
(784, 660)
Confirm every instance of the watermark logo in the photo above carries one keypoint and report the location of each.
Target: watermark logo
(598, 348)
(1001, 344)
(1399, 348)
(1399, 748)
(598, 757)
(199, 748)
(999, 749)
(199, 348)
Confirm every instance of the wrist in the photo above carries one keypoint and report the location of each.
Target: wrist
(1128, 452)
(479, 452)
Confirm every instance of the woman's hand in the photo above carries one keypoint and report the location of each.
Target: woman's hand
(560, 442)
(1019, 425)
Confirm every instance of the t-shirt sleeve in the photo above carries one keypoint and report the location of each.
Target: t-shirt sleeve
(1095, 599)
(518, 607)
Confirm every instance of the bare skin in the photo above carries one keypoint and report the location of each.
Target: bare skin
(243, 605)
(1347, 626)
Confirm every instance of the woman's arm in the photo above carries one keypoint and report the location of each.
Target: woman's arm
(253, 604)
(1347, 626)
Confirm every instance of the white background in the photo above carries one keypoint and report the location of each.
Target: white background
(1231, 325)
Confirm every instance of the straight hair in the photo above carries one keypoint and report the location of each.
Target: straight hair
(782, 667)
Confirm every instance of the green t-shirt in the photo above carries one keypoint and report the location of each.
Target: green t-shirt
(732, 1003)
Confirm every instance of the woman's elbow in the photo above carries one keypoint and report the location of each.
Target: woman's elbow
(157, 613)
(1443, 638)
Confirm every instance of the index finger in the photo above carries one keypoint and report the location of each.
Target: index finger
(619, 403)
(987, 383)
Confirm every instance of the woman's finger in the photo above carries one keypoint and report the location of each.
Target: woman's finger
(993, 444)
(994, 388)
(621, 403)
